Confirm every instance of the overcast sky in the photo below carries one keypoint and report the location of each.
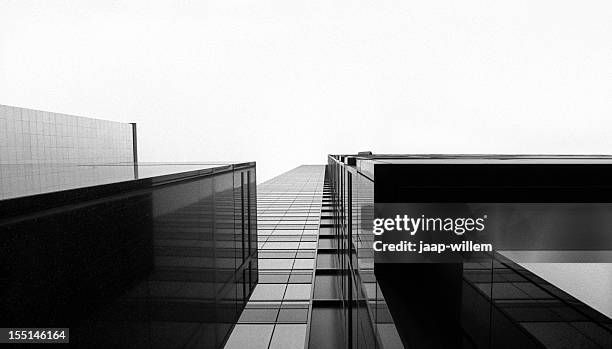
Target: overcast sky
(286, 82)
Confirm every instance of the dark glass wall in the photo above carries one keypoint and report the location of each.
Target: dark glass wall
(366, 317)
(486, 302)
(163, 262)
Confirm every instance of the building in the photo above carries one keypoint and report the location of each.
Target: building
(344, 298)
(279, 312)
(196, 255)
(40, 144)
(298, 302)
(125, 254)
(486, 300)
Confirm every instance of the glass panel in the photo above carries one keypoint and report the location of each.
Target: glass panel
(288, 337)
(250, 336)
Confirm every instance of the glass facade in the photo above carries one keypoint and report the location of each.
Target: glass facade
(35, 144)
(125, 254)
(309, 295)
(162, 262)
(195, 255)
(366, 316)
(280, 311)
(486, 302)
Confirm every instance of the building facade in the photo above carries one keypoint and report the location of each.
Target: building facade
(299, 301)
(279, 313)
(487, 301)
(124, 254)
(35, 142)
(197, 255)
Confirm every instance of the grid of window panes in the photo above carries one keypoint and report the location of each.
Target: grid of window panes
(36, 146)
(278, 312)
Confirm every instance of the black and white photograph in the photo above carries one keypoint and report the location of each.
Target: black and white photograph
(282, 174)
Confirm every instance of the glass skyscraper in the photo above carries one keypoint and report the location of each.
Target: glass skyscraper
(124, 254)
(129, 254)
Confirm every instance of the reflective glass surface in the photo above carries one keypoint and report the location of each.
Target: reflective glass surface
(39, 178)
(487, 302)
(168, 262)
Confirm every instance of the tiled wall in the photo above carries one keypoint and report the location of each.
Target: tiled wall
(288, 214)
(34, 136)
(38, 149)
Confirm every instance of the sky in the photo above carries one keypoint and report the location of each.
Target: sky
(286, 82)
